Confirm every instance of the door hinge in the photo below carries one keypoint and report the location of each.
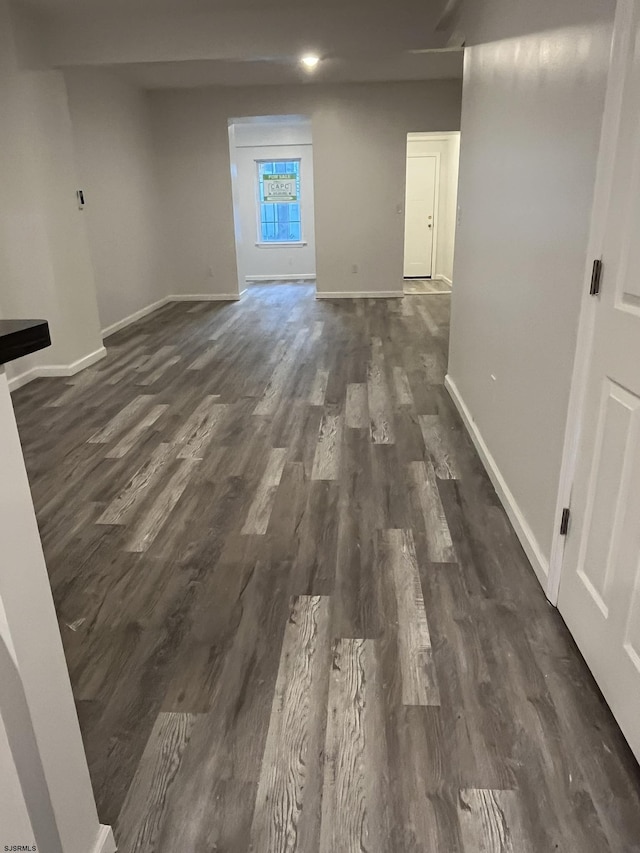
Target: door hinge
(596, 278)
(564, 524)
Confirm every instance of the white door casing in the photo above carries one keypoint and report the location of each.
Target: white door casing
(420, 208)
(599, 595)
(273, 261)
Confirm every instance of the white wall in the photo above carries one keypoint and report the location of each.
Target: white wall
(531, 116)
(359, 147)
(253, 141)
(116, 165)
(45, 266)
(15, 826)
(447, 147)
(44, 765)
(451, 211)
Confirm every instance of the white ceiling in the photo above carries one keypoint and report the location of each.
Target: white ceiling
(194, 43)
(83, 7)
(436, 65)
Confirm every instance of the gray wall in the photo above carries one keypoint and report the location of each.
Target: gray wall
(531, 119)
(114, 148)
(359, 144)
(45, 266)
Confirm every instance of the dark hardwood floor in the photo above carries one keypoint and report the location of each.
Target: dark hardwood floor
(295, 614)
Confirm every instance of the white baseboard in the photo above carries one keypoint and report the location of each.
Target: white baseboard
(132, 318)
(528, 541)
(92, 358)
(292, 277)
(203, 297)
(74, 367)
(178, 297)
(22, 379)
(445, 279)
(105, 842)
(57, 369)
(360, 294)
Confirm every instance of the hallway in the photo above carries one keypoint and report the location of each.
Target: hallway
(295, 614)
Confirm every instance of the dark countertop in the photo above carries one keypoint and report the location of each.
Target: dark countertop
(21, 337)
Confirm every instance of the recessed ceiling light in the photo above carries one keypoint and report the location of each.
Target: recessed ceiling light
(310, 61)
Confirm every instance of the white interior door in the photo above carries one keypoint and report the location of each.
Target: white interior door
(420, 209)
(600, 586)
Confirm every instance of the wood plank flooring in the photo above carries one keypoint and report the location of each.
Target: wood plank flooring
(295, 614)
(426, 285)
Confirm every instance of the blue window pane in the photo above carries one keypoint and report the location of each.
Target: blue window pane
(268, 232)
(279, 222)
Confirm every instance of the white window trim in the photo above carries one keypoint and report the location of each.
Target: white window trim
(286, 245)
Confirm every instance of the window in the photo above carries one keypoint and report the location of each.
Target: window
(279, 201)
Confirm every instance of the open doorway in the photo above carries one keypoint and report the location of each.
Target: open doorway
(273, 203)
(430, 211)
